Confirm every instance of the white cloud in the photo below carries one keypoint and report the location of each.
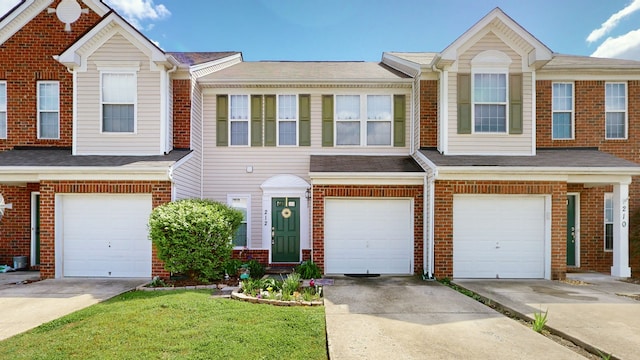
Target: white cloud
(139, 11)
(626, 46)
(613, 21)
(6, 5)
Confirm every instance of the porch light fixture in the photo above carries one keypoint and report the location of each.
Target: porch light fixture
(307, 193)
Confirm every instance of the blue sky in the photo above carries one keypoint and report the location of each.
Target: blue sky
(363, 29)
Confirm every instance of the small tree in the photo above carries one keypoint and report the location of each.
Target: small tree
(193, 237)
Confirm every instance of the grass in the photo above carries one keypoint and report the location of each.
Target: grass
(176, 325)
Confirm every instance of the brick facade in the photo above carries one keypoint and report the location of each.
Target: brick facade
(443, 231)
(23, 62)
(160, 193)
(428, 113)
(182, 114)
(320, 192)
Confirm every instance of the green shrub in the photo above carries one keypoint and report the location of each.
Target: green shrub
(231, 266)
(252, 287)
(256, 270)
(539, 320)
(192, 236)
(309, 270)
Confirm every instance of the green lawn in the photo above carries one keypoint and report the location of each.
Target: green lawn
(176, 325)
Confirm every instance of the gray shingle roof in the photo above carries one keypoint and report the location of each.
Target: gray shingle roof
(363, 163)
(550, 158)
(561, 61)
(196, 58)
(63, 158)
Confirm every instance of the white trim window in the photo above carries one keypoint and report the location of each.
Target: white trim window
(48, 110)
(562, 111)
(287, 120)
(348, 120)
(242, 203)
(490, 102)
(118, 97)
(379, 120)
(239, 120)
(615, 110)
(608, 222)
(3, 109)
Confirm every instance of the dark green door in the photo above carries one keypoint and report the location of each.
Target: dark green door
(36, 228)
(571, 230)
(285, 231)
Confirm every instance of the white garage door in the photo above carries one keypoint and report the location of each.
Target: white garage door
(366, 236)
(499, 236)
(106, 235)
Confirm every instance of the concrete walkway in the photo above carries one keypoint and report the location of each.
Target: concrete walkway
(405, 318)
(23, 307)
(587, 309)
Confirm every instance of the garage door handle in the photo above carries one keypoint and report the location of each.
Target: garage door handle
(497, 245)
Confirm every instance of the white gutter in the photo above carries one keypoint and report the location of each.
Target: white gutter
(428, 251)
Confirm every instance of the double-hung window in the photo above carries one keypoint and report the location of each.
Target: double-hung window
(490, 102)
(118, 102)
(379, 117)
(608, 221)
(348, 119)
(239, 120)
(3, 109)
(287, 120)
(48, 110)
(562, 109)
(241, 203)
(615, 110)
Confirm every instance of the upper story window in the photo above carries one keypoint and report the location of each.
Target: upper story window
(348, 119)
(562, 109)
(379, 117)
(490, 102)
(239, 119)
(608, 221)
(287, 120)
(118, 102)
(48, 110)
(3, 109)
(616, 110)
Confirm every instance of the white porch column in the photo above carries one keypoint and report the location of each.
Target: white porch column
(620, 266)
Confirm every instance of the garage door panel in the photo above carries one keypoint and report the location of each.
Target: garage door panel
(368, 236)
(499, 236)
(106, 235)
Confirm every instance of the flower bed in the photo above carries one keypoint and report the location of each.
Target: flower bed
(286, 292)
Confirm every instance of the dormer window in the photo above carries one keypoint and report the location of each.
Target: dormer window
(490, 102)
(118, 102)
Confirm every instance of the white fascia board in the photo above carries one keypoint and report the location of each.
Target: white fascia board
(232, 60)
(97, 7)
(20, 17)
(410, 64)
(408, 82)
(71, 58)
(582, 175)
(36, 174)
(344, 178)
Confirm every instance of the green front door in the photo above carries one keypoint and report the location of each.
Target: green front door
(36, 228)
(571, 230)
(285, 230)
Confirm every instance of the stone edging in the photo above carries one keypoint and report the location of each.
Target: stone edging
(240, 296)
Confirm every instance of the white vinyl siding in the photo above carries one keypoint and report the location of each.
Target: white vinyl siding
(3, 109)
(287, 120)
(491, 143)
(90, 139)
(48, 110)
(616, 110)
(608, 221)
(225, 168)
(562, 111)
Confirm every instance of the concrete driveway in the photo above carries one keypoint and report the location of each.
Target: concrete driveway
(590, 308)
(405, 318)
(25, 306)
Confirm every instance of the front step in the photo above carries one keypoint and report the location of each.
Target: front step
(279, 269)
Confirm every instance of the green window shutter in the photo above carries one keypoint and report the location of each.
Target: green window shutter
(256, 120)
(399, 120)
(304, 119)
(327, 120)
(464, 104)
(515, 104)
(222, 120)
(270, 120)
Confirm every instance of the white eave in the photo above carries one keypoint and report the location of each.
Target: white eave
(27, 174)
(603, 175)
(367, 178)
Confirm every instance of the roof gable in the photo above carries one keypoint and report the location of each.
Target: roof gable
(75, 56)
(505, 28)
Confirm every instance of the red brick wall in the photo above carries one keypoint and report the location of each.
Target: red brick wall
(590, 132)
(160, 192)
(320, 192)
(428, 113)
(443, 231)
(182, 114)
(26, 58)
(15, 226)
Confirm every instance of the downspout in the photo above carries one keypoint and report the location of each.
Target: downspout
(166, 150)
(431, 233)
